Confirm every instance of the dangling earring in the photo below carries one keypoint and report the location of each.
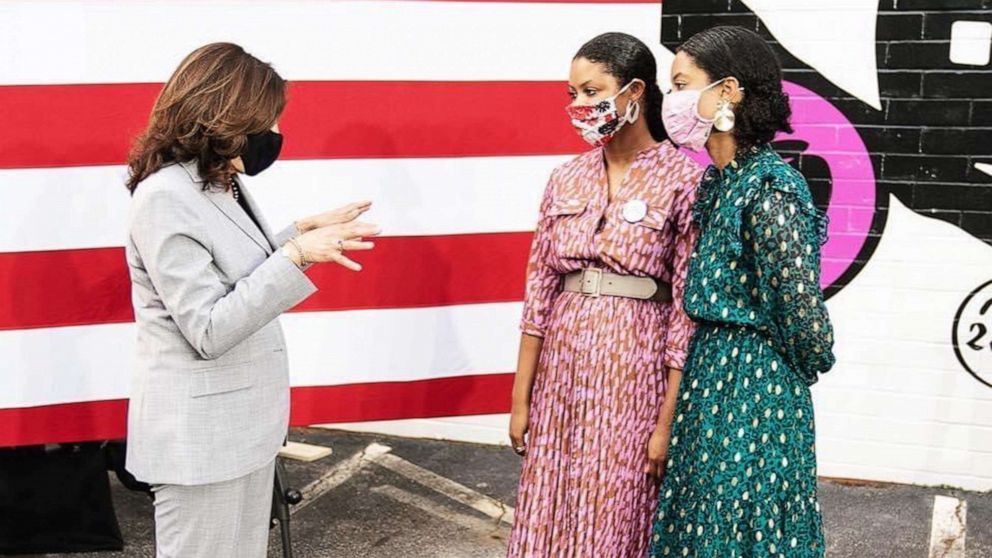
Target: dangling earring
(633, 112)
(723, 120)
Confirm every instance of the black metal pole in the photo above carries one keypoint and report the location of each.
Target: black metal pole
(282, 498)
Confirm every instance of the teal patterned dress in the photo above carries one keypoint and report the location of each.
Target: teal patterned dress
(741, 476)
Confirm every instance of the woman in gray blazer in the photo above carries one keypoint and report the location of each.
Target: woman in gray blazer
(209, 407)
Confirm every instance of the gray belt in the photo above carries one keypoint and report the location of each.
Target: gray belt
(596, 282)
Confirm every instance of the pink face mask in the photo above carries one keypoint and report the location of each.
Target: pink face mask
(680, 113)
(598, 124)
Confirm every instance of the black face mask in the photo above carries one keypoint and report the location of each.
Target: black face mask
(261, 150)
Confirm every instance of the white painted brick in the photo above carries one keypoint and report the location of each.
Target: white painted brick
(920, 431)
(911, 457)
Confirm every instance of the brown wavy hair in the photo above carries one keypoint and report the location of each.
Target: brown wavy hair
(216, 97)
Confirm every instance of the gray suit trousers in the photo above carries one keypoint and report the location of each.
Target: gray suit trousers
(228, 519)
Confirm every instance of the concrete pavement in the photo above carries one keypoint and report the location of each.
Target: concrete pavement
(435, 499)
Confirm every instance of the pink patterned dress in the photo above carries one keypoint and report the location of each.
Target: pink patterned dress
(601, 376)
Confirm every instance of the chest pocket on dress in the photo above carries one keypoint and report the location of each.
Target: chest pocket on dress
(655, 218)
(569, 228)
(643, 239)
(566, 207)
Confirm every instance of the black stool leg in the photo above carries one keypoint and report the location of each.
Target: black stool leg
(282, 498)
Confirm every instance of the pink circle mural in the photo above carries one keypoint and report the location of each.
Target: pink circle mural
(825, 133)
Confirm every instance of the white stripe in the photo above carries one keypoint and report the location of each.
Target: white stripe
(443, 485)
(477, 429)
(60, 365)
(103, 41)
(86, 207)
(444, 512)
(948, 527)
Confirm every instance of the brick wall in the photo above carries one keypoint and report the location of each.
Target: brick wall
(936, 116)
(911, 397)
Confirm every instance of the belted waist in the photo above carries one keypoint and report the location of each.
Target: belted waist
(596, 282)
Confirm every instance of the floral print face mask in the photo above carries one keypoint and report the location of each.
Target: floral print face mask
(598, 124)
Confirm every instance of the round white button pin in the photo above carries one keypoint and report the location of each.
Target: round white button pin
(635, 211)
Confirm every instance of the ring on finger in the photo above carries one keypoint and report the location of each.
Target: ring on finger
(341, 245)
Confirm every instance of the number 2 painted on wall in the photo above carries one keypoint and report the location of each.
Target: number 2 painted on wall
(975, 342)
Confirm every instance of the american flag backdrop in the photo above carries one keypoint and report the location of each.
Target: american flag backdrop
(447, 114)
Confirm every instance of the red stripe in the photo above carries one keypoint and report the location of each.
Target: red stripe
(83, 287)
(78, 125)
(107, 420)
(71, 422)
(461, 395)
(558, 1)
(552, 1)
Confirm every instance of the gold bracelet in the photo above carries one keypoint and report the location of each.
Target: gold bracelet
(290, 250)
(299, 249)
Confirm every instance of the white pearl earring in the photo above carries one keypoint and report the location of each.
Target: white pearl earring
(724, 118)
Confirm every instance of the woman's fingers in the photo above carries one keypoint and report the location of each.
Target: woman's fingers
(354, 230)
(660, 472)
(344, 214)
(517, 443)
(656, 468)
(352, 211)
(359, 230)
(352, 245)
(519, 447)
(655, 463)
(352, 207)
(346, 262)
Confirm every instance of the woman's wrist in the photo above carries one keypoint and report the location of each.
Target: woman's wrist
(662, 427)
(519, 401)
(291, 254)
(304, 226)
(294, 253)
(304, 259)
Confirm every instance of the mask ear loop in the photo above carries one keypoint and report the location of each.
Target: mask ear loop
(700, 117)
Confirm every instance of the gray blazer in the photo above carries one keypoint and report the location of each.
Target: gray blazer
(210, 394)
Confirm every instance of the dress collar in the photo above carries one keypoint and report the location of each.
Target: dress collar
(742, 161)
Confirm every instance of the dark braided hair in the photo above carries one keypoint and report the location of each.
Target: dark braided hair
(726, 51)
(627, 58)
